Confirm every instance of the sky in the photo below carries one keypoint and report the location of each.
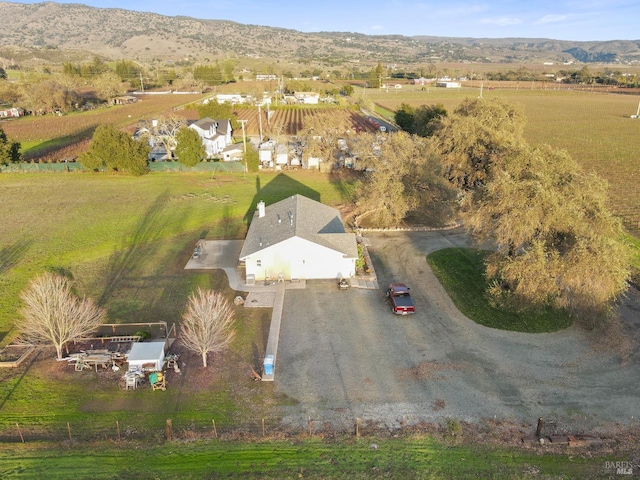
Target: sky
(581, 20)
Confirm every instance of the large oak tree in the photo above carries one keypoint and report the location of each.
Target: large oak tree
(555, 241)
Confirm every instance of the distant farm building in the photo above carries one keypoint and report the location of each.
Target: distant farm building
(266, 77)
(448, 84)
(12, 112)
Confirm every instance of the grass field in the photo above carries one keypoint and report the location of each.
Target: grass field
(120, 237)
(417, 457)
(461, 272)
(125, 242)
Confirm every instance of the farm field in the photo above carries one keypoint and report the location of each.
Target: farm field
(289, 121)
(41, 136)
(594, 128)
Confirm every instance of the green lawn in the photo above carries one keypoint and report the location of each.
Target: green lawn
(121, 238)
(414, 457)
(460, 270)
(125, 242)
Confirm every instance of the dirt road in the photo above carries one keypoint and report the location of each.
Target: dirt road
(343, 355)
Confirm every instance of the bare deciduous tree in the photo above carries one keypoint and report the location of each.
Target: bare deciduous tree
(52, 313)
(164, 131)
(207, 323)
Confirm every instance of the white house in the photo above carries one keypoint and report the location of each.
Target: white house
(298, 238)
(216, 134)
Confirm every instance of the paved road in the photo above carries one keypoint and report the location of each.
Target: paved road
(343, 355)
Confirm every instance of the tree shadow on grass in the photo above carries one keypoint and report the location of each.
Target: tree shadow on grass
(11, 254)
(134, 251)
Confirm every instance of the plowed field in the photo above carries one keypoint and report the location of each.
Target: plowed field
(291, 121)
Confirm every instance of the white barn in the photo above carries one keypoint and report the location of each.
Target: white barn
(298, 238)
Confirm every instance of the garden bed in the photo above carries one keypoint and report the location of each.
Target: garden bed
(12, 356)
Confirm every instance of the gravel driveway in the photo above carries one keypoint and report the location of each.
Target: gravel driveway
(344, 355)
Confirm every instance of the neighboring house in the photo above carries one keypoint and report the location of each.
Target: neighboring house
(298, 238)
(124, 100)
(233, 98)
(233, 153)
(307, 98)
(266, 77)
(12, 112)
(216, 134)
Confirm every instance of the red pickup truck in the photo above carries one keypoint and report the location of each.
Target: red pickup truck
(400, 298)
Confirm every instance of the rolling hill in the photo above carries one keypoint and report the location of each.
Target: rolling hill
(47, 33)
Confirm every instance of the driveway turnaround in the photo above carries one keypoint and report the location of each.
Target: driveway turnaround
(343, 355)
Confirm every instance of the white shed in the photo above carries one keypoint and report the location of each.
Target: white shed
(147, 356)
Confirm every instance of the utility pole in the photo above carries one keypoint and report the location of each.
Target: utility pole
(244, 142)
(260, 122)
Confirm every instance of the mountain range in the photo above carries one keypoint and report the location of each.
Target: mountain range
(52, 33)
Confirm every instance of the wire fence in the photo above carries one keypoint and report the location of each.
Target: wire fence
(62, 167)
(159, 429)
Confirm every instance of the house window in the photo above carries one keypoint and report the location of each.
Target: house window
(258, 263)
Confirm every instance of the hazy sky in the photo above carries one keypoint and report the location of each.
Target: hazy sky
(559, 19)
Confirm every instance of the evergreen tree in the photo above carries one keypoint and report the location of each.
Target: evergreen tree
(9, 151)
(190, 149)
(111, 149)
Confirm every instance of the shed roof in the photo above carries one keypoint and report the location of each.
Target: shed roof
(146, 351)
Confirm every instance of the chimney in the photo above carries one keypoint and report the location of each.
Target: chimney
(260, 209)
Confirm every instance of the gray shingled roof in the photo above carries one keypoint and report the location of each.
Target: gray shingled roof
(222, 126)
(299, 216)
(204, 123)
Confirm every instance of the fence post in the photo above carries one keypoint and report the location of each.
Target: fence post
(69, 430)
(118, 429)
(215, 432)
(20, 432)
(358, 427)
(168, 429)
(263, 426)
(309, 424)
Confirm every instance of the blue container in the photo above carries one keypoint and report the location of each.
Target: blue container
(268, 365)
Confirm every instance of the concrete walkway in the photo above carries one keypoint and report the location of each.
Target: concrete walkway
(271, 351)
